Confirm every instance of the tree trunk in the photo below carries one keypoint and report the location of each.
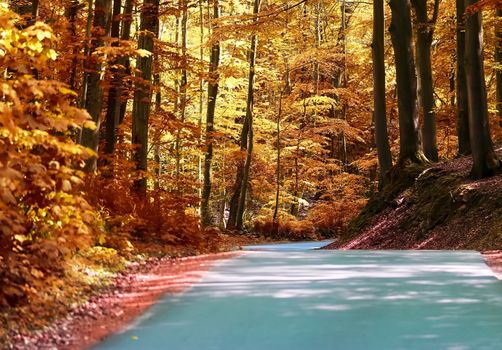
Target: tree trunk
(212, 93)
(143, 92)
(249, 117)
(400, 30)
(425, 30)
(94, 91)
(498, 63)
(462, 107)
(113, 108)
(485, 161)
(27, 9)
(381, 137)
(278, 163)
(125, 34)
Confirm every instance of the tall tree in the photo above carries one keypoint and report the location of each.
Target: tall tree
(125, 34)
(485, 161)
(498, 63)
(113, 108)
(400, 30)
(249, 117)
(425, 31)
(462, 104)
(381, 136)
(212, 93)
(94, 90)
(143, 91)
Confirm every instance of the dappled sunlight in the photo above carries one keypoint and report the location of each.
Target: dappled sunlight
(272, 298)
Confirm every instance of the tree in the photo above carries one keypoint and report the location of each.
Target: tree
(425, 31)
(485, 161)
(498, 63)
(212, 93)
(462, 105)
(94, 90)
(381, 137)
(143, 91)
(249, 119)
(400, 30)
(28, 9)
(113, 108)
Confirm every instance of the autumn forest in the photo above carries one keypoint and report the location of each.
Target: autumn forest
(133, 126)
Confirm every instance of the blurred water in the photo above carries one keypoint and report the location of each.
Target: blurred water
(287, 298)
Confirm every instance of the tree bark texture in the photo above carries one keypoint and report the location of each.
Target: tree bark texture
(114, 92)
(212, 93)
(462, 105)
(381, 136)
(143, 91)
(94, 91)
(249, 118)
(485, 161)
(424, 32)
(400, 30)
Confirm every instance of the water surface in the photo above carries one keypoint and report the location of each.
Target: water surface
(287, 297)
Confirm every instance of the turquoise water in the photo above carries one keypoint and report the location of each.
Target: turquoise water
(287, 298)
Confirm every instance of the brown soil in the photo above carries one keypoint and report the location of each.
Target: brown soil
(435, 207)
(129, 295)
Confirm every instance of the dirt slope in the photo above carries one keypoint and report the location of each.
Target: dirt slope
(434, 207)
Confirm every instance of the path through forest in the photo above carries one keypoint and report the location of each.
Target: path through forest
(289, 297)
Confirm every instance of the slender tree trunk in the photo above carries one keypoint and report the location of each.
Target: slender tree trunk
(381, 136)
(71, 12)
(400, 30)
(278, 163)
(462, 106)
(113, 108)
(94, 93)
(249, 118)
(183, 87)
(125, 34)
(212, 93)
(425, 30)
(143, 92)
(156, 156)
(485, 161)
(498, 63)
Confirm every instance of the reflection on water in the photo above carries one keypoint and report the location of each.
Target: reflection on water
(286, 298)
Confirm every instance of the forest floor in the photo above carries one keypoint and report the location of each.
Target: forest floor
(100, 300)
(433, 207)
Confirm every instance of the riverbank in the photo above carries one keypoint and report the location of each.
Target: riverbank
(431, 207)
(129, 295)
